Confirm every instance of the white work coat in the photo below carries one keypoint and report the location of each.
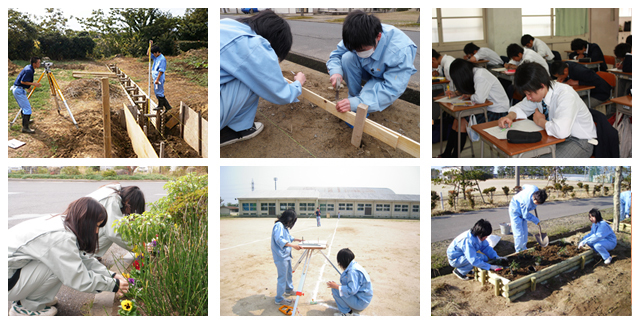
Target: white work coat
(112, 202)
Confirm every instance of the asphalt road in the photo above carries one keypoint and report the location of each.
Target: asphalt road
(449, 226)
(317, 39)
(32, 198)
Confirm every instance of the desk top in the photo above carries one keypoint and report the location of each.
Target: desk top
(579, 88)
(617, 71)
(583, 63)
(624, 100)
(445, 81)
(512, 149)
(453, 108)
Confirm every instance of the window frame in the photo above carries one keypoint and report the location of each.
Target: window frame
(447, 46)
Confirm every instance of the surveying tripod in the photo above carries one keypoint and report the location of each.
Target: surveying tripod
(306, 256)
(55, 91)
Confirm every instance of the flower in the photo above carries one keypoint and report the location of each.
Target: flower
(132, 281)
(125, 275)
(154, 243)
(126, 305)
(137, 264)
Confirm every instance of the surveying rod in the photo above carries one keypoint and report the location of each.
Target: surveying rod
(149, 84)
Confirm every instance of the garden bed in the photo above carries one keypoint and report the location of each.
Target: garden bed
(557, 258)
(623, 226)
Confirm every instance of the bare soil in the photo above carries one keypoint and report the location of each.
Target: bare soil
(526, 261)
(57, 137)
(303, 130)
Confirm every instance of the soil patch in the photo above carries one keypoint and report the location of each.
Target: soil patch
(302, 130)
(527, 262)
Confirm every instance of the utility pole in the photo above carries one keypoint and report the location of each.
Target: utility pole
(252, 185)
(275, 180)
(616, 198)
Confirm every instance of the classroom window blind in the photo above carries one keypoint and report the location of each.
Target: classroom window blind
(457, 24)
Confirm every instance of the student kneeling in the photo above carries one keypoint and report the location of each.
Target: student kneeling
(601, 238)
(557, 108)
(355, 291)
(463, 251)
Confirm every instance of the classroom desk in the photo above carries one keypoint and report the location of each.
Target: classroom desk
(460, 112)
(619, 74)
(503, 75)
(483, 63)
(621, 102)
(584, 89)
(590, 65)
(547, 144)
(439, 84)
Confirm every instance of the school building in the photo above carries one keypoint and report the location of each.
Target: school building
(353, 202)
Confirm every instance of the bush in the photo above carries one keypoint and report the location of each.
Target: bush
(606, 190)
(586, 188)
(42, 170)
(70, 170)
(434, 199)
(109, 173)
(580, 185)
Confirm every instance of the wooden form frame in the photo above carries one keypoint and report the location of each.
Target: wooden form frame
(140, 93)
(622, 227)
(81, 74)
(380, 132)
(141, 145)
(194, 129)
(512, 290)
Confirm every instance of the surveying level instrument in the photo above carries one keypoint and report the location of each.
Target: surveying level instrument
(55, 92)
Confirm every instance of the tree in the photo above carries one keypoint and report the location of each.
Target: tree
(194, 26)
(616, 198)
(54, 21)
(22, 35)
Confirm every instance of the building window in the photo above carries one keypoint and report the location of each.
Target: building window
(538, 21)
(397, 208)
(311, 207)
(416, 208)
(349, 206)
(303, 207)
(457, 25)
(323, 207)
(330, 207)
(405, 208)
(360, 206)
(249, 207)
(342, 206)
(383, 207)
(264, 206)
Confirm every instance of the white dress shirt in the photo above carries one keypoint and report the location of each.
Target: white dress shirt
(542, 49)
(529, 55)
(489, 88)
(488, 54)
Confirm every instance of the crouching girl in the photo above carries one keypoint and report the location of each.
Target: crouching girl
(355, 291)
(601, 238)
(463, 251)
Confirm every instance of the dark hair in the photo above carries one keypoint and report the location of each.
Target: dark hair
(482, 228)
(34, 60)
(529, 77)
(288, 218)
(273, 28)
(525, 39)
(621, 50)
(628, 40)
(514, 50)
(540, 196)
(345, 256)
(469, 48)
(154, 49)
(435, 54)
(578, 44)
(82, 217)
(557, 67)
(132, 200)
(461, 72)
(360, 30)
(596, 214)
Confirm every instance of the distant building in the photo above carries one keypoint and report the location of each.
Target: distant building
(357, 202)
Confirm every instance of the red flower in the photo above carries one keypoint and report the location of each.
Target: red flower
(138, 265)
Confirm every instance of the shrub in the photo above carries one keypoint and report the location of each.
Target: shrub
(586, 188)
(606, 190)
(109, 173)
(70, 170)
(434, 199)
(42, 170)
(505, 189)
(580, 185)
(596, 189)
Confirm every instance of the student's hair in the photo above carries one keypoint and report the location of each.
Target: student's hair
(514, 50)
(530, 76)
(154, 49)
(345, 256)
(628, 40)
(461, 72)
(540, 196)
(469, 48)
(525, 39)
(360, 30)
(435, 54)
(557, 67)
(82, 217)
(273, 28)
(596, 214)
(132, 200)
(621, 50)
(578, 44)
(34, 60)
(482, 228)
(288, 218)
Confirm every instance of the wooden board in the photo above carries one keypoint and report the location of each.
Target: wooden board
(382, 133)
(80, 74)
(358, 127)
(139, 141)
(191, 133)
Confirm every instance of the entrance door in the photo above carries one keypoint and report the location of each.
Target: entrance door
(272, 209)
(367, 210)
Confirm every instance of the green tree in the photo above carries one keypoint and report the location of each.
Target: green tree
(22, 34)
(194, 26)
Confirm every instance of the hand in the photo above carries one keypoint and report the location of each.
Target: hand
(296, 246)
(434, 73)
(150, 42)
(619, 65)
(334, 79)
(333, 285)
(156, 82)
(581, 245)
(124, 285)
(449, 93)
(496, 268)
(466, 97)
(36, 84)
(539, 118)
(300, 78)
(505, 122)
(580, 56)
(343, 105)
(572, 82)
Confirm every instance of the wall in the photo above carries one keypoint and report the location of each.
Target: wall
(504, 26)
(603, 28)
(332, 213)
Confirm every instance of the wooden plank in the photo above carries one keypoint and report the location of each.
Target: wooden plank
(140, 143)
(358, 127)
(106, 117)
(372, 128)
(205, 138)
(79, 74)
(191, 134)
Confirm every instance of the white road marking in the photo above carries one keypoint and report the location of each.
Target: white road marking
(15, 193)
(315, 291)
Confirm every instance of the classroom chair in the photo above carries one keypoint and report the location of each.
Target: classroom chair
(611, 80)
(610, 60)
(608, 140)
(505, 59)
(556, 55)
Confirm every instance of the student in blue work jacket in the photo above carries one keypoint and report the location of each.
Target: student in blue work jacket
(250, 52)
(601, 238)
(523, 202)
(355, 291)
(20, 89)
(625, 205)
(379, 54)
(158, 71)
(463, 251)
(281, 244)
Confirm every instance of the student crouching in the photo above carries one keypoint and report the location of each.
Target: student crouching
(355, 291)
(463, 251)
(601, 237)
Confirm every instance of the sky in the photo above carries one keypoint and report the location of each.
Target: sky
(236, 181)
(83, 12)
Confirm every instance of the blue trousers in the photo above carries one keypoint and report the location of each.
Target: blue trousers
(520, 233)
(345, 304)
(285, 280)
(318, 220)
(20, 94)
(463, 265)
(158, 89)
(238, 106)
(603, 247)
(354, 74)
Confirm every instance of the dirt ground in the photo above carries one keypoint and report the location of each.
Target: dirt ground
(57, 137)
(248, 274)
(303, 130)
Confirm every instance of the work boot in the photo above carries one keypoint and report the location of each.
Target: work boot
(160, 103)
(30, 121)
(25, 125)
(167, 106)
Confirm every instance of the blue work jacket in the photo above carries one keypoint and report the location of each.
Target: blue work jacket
(279, 237)
(625, 204)
(248, 57)
(522, 203)
(468, 245)
(392, 62)
(26, 75)
(159, 65)
(355, 281)
(600, 231)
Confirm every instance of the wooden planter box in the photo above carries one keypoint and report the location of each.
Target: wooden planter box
(516, 288)
(622, 227)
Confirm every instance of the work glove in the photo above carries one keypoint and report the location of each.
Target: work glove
(496, 268)
(581, 245)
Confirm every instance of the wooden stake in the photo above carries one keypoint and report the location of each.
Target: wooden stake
(199, 133)
(162, 149)
(358, 126)
(106, 117)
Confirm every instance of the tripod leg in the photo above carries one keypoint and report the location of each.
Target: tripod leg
(16, 117)
(54, 94)
(300, 260)
(302, 278)
(334, 267)
(63, 100)
(34, 88)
